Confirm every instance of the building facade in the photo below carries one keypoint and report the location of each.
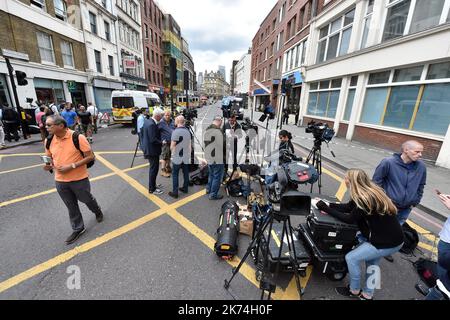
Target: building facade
(172, 49)
(214, 85)
(222, 71)
(369, 75)
(44, 39)
(285, 28)
(131, 56)
(242, 72)
(188, 66)
(233, 76)
(98, 25)
(152, 34)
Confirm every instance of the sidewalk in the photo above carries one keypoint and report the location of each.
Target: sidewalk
(34, 139)
(352, 154)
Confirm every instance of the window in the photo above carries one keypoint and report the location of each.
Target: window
(39, 4)
(154, 77)
(111, 65)
(427, 14)
(93, 22)
(323, 98)
(421, 106)
(107, 31)
(272, 49)
(104, 3)
(147, 53)
(290, 29)
(335, 37)
(366, 23)
(67, 55)
(396, 20)
(300, 18)
(379, 77)
(98, 60)
(146, 31)
(60, 9)
(45, 47)
(408, 74)
(153, 56)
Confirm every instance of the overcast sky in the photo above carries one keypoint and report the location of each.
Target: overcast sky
(218, 31)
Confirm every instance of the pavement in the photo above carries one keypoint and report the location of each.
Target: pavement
(352, 154)
(148, 247)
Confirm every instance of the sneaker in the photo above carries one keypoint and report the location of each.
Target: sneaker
(74, 236)
(2, 146)
(173, 195)
(183, 190)
(345, 292)
(218, 197)
(389, 258)
(157, 191)
(159, 186)
(99, 217)
(361, 297)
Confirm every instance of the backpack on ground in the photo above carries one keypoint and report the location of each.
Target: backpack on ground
(427, 271)
(76, 143)
(411, 239)
(199, 177)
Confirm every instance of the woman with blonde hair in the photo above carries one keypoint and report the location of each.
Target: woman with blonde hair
(381, 233)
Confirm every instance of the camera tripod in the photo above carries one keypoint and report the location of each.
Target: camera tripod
(315, 155)
(135, 151)
(267, 284)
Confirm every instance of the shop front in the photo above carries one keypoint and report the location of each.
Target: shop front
(4, 92)
(77, 93)
(102, 93)
(293, 91)
(48, 90)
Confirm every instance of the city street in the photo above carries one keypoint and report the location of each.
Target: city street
(147, 247)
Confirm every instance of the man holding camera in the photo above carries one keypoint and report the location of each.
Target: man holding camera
(166, 126)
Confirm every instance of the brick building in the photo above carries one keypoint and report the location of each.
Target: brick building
(152, 34)
(46, 41)
(283, 28)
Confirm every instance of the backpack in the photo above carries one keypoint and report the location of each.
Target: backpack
(76, 142)
(411, 239)
(427, 271)
(199, 177)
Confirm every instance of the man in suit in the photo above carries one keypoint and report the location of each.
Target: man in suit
(151, 146)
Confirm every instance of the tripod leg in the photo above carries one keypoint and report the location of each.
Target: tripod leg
(252, 244)
(295, 265)
(277, 268)
(135, 152)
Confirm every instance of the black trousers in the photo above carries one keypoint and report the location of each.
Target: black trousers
(153, 172)
(11, 131)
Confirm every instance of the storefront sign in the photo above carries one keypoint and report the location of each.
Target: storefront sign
(129, 62)
(72, 86)
(294, 78)
(130, 86)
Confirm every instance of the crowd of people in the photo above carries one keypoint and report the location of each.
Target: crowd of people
(378, 206)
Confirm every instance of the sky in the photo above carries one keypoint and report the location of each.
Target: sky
(217, 31)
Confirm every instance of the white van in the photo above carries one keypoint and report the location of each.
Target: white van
(125, 102)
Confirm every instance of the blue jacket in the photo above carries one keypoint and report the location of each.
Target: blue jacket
(150, 139)
(166, 130)
(402, 183)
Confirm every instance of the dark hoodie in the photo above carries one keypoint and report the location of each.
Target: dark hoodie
(403, 183)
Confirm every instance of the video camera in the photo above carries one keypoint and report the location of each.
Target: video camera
(247, 125)
(189, 115)
(321, 131)
(269, 112)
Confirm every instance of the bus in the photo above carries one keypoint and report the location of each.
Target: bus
(125, 102)
(194, 101)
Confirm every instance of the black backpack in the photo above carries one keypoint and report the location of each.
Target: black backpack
(411, 239)
(427, 271)
(76, 142)
(199, 177)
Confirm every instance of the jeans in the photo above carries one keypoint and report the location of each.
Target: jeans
(71, 193)
(153, 172)
(403, 214)
(175, 173)
(371, 255)
(215, 177)
(443, 274)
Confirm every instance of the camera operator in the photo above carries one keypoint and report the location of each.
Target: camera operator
(166, 126)
(232, 132)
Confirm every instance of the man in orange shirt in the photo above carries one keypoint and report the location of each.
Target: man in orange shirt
(71, 175)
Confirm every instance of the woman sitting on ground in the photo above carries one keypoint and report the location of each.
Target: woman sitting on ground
(381, 233)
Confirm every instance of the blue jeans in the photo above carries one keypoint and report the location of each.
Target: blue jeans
(175, 173)
(403, 214)
(371, 255)
(215, 178)
(443, 274)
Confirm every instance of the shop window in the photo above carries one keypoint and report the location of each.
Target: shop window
(349, 104)
(374, 105)
(400, 108)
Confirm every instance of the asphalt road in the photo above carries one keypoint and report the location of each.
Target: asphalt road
(147, 247)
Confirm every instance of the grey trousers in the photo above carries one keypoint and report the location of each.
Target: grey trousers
(71, 193)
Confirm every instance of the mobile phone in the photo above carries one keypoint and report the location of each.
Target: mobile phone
(47, 160)
(438, 192)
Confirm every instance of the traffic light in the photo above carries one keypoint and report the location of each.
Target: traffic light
(173, 71)
(283, 86)
(21, 78)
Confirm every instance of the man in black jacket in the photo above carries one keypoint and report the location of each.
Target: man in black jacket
(232, 132)
(151, 146)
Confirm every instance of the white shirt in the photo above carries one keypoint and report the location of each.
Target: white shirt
(93, 111)
(445, 233)
(140, 122)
